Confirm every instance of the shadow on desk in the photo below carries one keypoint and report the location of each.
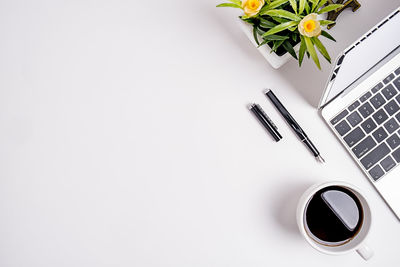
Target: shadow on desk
(308, 80)
(284, 207)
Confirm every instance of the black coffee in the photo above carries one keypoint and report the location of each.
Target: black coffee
(333, 216)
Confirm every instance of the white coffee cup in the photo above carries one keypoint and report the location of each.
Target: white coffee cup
(357, 242)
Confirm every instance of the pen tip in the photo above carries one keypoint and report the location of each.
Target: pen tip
(320, 159)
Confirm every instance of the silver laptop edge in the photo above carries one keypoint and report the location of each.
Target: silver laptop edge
(340, 58)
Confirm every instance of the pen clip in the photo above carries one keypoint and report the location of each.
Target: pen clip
(265, 121)
(266, 117)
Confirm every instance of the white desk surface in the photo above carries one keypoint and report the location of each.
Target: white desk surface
(125, 139)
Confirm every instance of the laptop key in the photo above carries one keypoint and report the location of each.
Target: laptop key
(393, 141)
(388, 163)
(389, 91)
(366, 110)
(398, 98)
(380, 116)
(343, 127)
(339, 117)
(368, 125)
(365, 97)
(388, 78)
(376, 172)
(396, 155)
(377, 100)
(377, 87)
(380, 135)
(354, 105)
(391, 107)
(364, 146)
(391, 125)
(354, 136)
(354, 118)
(375, 156)
(397, 71)
(396, 83)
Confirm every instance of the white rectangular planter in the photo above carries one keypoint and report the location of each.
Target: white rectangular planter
(274, 60)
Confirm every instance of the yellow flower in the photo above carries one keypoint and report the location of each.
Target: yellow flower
(252, 7)
(309, 26)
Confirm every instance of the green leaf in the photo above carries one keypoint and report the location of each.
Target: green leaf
(272, 5)
(288, 46)
(260, 31)
(311, 50)
(329, 8)
(325, 22)
(282, 14)
(321, 4)
(280, 27)
(277, 3)
(229, 5)
(314, 4)
(293, 3)
(307, 7)
(252, 20)
(275, 37)
(237, 2)
(276, 45)
(302, 50)
(280, 20)
(294, 37)
(263, 43)
(270, 38)
(327, 35)
(321, 48)
(255, 35)
(301, 6)
(266, 23)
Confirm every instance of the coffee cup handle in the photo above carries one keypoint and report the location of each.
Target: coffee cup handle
(365, 252)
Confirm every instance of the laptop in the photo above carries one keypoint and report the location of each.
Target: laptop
(361, 104)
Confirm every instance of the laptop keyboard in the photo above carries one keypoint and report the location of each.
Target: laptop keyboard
(370, 126)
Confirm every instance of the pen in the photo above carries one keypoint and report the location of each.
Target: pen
(265, 121)
(295, 126)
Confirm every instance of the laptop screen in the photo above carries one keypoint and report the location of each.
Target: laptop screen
(364, 55)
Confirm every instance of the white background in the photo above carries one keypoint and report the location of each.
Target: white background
(125, 139)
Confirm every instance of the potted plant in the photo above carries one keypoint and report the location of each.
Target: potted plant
(282, 29)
